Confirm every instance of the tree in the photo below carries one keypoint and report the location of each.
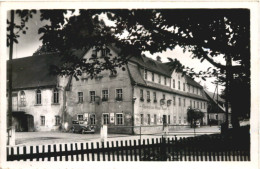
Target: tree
(194, 115)
(13, 30)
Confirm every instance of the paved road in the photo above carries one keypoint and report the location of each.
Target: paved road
(39, 138)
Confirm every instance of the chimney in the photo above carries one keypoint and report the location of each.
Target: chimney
(158, 58)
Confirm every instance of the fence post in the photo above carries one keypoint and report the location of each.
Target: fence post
(163, 150)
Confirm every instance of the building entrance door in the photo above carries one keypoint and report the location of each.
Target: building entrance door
(164, 119)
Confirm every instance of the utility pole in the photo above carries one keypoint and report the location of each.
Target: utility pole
(10, 68)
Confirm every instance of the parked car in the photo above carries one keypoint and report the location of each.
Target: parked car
(197, 124)
(82, 127)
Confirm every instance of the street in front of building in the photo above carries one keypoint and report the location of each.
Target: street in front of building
(44, 138)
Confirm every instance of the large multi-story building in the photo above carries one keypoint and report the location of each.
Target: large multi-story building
(148, 93)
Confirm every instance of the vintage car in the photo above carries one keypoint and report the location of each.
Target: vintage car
(82, 127)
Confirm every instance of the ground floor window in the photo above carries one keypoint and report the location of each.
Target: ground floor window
(142, 119)
(93, 119)
(57, 120)
(42, 120)
(155, 119)
(80, 117)
(119, 119)
(149, 119)
(105, 119)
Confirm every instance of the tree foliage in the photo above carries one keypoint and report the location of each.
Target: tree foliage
(193, 115)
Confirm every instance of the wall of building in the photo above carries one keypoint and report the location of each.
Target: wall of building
(104, 81)
(47, 108)
(176, 112)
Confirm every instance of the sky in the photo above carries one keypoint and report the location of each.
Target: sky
(29, 43)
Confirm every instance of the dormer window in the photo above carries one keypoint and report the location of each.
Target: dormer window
(165, 82)
(153, 77)
(94, 52)
(103, 52)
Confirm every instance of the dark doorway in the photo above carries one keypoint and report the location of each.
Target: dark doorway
(23, 122)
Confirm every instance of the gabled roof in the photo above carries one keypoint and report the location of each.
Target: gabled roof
(192, 82)
(34, 71)
(214, 96)
(152, 65)
(137, 79)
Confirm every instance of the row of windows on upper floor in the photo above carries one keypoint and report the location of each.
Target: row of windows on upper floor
(190, 88)
(201, 105)
(105, 95)
(38, 97)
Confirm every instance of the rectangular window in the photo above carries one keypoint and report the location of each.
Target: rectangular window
(141, 94)
(179, 101)
(145, 74)
(179, 119)
(92, 96)
(55, 96)
(184, 104)
(104, 95)
(184, 120)
(198, 105)
(119, 94)
(119, 119)
(57, 120)
(174, 119)
(38, 97)
(159, 81)
(194, 104)
(190, 103)
(179, 85)
(92, 119)
(193, 89)
(105, 119)
(103, 52)
(148, 119)
(154, 96)
(204, 105)
(169, 119)
(80, 117)
(155, 119)
(197, 91)
(42, 120)
(94, 52)
(142, 119)
(148, 95)
(188, 88)
(165, 82)
(174, 102)
(184, 87)
(201, 105)
(173, 83)
(80, 97)
(163, 96)
(153, 77)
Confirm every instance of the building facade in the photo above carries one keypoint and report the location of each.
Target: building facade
(147, 93)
